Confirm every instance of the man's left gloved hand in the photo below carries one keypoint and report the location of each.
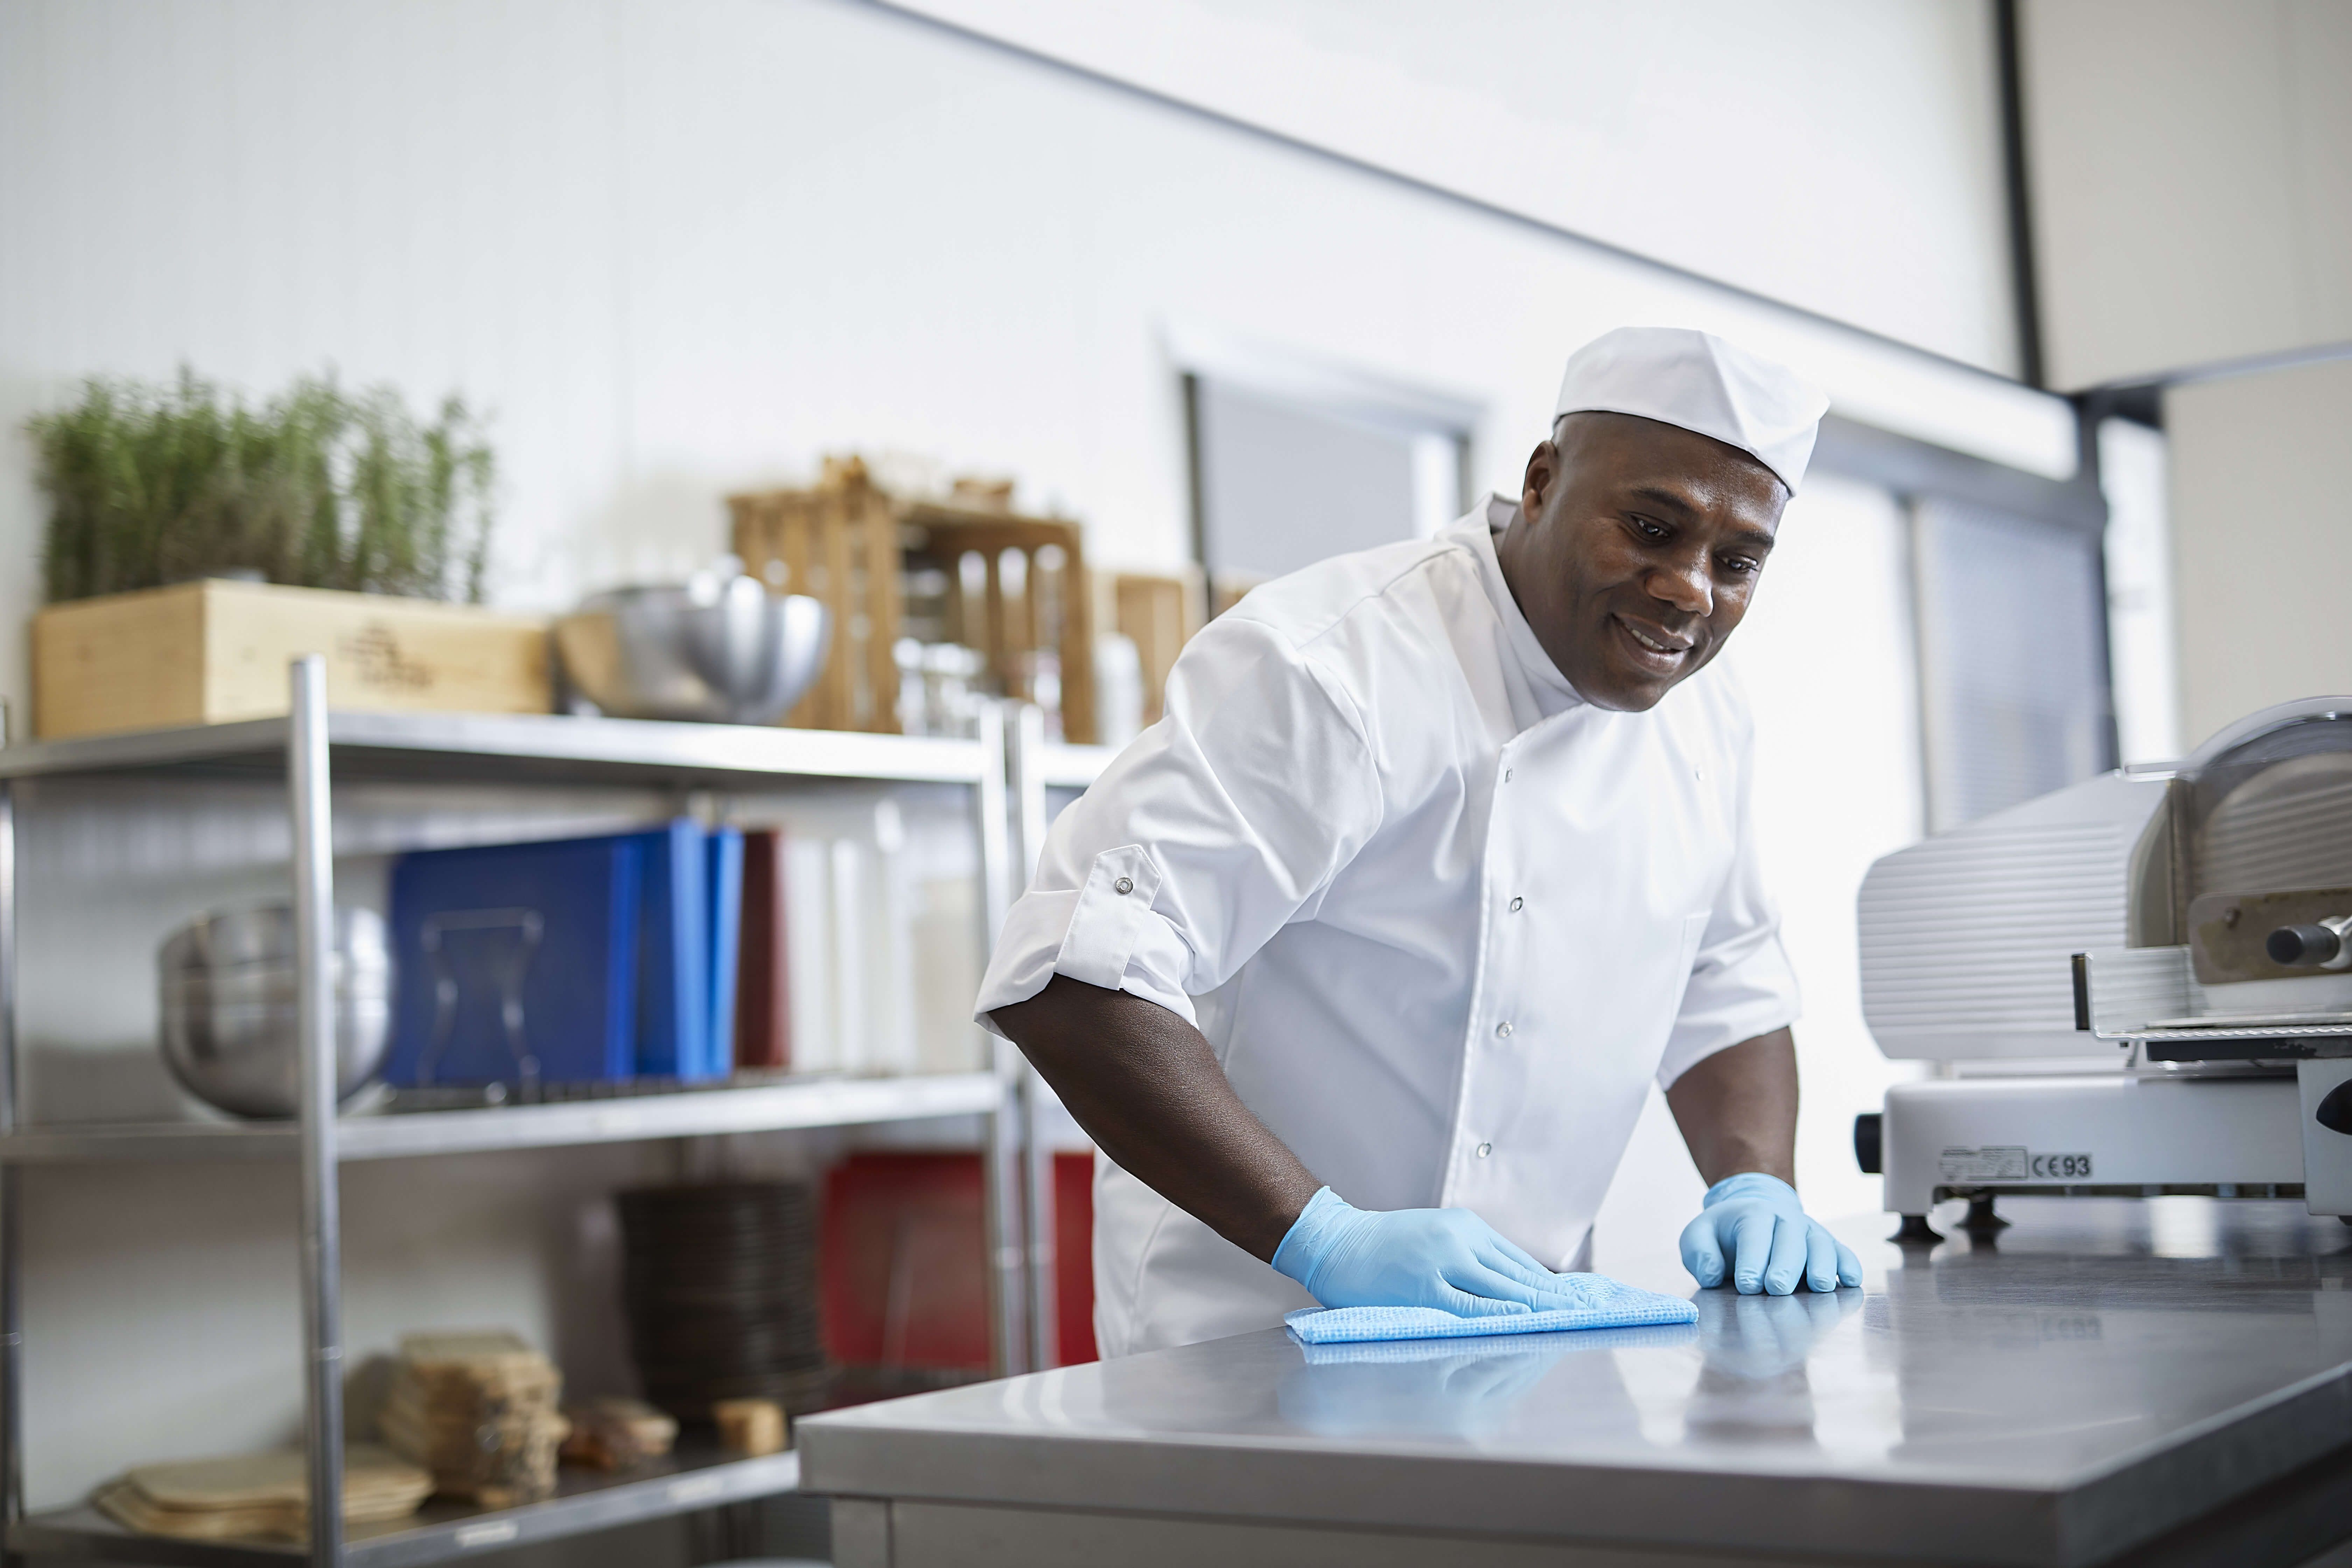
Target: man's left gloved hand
(1753, 1232)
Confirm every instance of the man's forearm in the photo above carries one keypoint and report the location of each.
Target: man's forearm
(1148, 1089)
(1737, 1108)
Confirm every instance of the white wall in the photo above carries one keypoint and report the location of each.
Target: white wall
(2191, 170)
(1843, 157)
(683, 249)
(2192, 167)
(2262, 520)
(680, 248)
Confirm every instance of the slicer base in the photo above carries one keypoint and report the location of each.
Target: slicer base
(2113, 1135)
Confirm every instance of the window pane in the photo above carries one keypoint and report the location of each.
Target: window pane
(1284, 484)
(2013, 663)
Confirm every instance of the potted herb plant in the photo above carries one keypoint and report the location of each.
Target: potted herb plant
(195, 543)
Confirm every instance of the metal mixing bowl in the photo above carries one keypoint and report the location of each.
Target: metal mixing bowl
(723, 652)
(229, 1018)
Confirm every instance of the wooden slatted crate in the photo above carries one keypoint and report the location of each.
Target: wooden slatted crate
(1159, 613)
(1030, 577)
(1017, 584)
(838, 542)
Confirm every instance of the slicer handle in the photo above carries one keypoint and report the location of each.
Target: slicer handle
(2320, 944)
(1869, 1142)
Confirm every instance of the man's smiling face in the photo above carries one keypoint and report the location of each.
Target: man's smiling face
(1636, 550)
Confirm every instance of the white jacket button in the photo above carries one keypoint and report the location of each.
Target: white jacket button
(1502, 1030)
(1484, 1150)
(1516, 904)
(1123, 887)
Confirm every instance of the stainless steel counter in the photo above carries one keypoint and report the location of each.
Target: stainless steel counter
(2106, 1381)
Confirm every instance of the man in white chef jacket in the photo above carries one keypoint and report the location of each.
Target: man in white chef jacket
(1358, 965)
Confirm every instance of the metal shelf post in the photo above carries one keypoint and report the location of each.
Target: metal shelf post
(12, 1292)
(1007, 1145)
(1037, 1157)
(307, 788)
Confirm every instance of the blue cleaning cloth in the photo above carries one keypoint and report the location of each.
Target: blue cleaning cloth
(1400, 1352)
(1608, 1305)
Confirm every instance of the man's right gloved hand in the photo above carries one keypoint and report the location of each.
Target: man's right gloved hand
(1348, 1257)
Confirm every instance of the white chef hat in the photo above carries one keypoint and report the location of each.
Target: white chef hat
(1696, 380)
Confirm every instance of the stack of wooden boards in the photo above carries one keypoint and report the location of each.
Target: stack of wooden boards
(243, 1496)
(480, 1412)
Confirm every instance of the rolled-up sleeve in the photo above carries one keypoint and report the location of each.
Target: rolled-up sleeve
(1218, 825)
(1741, 984)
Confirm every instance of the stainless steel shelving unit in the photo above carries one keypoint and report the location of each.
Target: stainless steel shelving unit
(312, 749)
(1037, 767)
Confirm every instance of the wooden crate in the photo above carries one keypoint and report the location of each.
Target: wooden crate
(847, 543)
(1158, 614)
(216, 651)
(1226, 588)
(1006, 610)
(838, 542)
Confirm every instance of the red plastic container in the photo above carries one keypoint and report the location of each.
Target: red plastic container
(905, 1261)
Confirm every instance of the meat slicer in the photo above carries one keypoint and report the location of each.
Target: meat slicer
(2139, 985)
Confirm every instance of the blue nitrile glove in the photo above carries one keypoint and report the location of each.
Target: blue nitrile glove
(1758, 1222)
(1348, 1257)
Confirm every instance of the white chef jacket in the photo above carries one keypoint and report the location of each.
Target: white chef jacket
(1442, 921)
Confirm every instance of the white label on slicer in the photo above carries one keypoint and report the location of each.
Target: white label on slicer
(1996, 1162)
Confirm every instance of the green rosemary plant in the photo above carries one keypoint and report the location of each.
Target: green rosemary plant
(318, 487)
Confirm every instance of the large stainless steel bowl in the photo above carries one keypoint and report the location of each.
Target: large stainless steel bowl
(725, 652)
(230, 1027)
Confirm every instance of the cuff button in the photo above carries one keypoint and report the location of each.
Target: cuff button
(1124, 886)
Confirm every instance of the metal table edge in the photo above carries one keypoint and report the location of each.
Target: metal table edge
(2168, 1482)
(2018, 1525)
(2126, 1504)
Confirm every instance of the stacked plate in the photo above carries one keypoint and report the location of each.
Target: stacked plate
(719, 1282)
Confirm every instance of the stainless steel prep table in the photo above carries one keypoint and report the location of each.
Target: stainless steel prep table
(2107, 1381)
